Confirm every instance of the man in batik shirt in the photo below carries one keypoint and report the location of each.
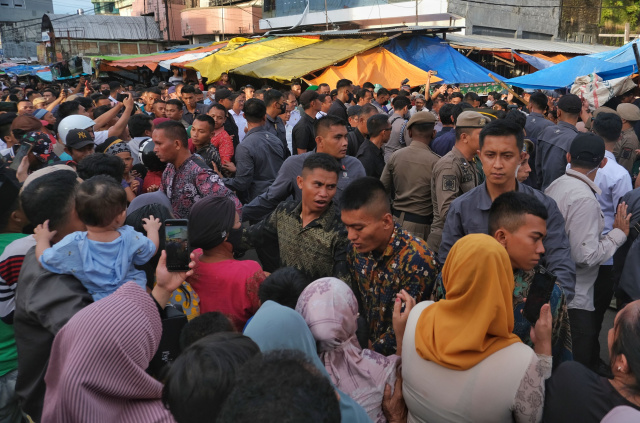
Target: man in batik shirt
(383, 260)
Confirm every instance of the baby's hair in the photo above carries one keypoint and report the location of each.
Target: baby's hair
(100, 200)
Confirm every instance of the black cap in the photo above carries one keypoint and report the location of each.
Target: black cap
(570, 103)
(223, 93)
(78, 138)
(587, 147)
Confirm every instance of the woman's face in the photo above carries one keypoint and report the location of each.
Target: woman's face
(128, 161)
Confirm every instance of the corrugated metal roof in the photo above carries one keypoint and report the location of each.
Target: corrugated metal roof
(485, 42)
(103, 27)
(372, 31)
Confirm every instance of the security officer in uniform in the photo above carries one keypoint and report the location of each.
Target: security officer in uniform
(455, 173)
(554, 142)
(625, 149)
(407, 176)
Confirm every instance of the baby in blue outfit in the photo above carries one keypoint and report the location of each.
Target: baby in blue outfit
(103, 257)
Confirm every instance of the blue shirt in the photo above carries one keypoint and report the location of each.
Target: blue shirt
(444, 143)
(102, 267)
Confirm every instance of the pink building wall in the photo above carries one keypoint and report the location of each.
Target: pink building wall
(219, 20)
(157, 7)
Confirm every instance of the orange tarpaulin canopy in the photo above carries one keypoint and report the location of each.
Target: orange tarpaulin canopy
(376, 65)
(557, 58)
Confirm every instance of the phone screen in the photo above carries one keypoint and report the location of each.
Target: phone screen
(20, 154)
(176, 244)
(198, 75)
(121, 97)
(539, 294)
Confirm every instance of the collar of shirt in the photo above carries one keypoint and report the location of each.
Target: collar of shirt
(484, 200)
(566, 125)
(420, 145)
(241, 114)
(322, 221)
(536, 114)
(308, 118)
(585, 179)
(254, 130)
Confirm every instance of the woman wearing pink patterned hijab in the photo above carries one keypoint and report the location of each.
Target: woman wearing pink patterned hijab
(331, 310)
(97, 368)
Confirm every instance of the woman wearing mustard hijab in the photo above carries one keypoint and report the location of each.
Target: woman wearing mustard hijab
(461, 361)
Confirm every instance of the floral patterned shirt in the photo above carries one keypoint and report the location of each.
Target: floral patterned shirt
(406, 263)
(191, 182)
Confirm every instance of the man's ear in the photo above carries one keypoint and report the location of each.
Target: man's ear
(387, 221)
(501, 237)
(299, 181)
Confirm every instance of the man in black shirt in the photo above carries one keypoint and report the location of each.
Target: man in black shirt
(274, 100)
(360, 132)
(304, 136)
(370, 152)
(338, 108)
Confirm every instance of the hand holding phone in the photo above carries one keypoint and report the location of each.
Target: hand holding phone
(176, 244)
(539, 294)
(22, 152)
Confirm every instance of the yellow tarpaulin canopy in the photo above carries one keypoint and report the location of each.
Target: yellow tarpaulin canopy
(379, 65)
(296, 63)
(233, 56)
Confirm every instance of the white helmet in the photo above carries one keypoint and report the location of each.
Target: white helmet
(73, 122)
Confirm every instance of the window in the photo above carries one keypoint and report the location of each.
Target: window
(6, 3)
(497, 32)
(536, 36)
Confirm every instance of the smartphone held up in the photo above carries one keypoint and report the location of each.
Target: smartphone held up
(176, 245)
(539, 294)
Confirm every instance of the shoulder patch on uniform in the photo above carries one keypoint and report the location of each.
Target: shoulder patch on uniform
(449, 183)
(626, 153)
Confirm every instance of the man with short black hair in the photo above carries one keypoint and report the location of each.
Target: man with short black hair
(360, 132)
(554, 142)
(186, 178)
(307, 232)
(149, 98)
(407, 177)
(140, 129)
(338, 108)
(191, 108)
(384, 260)
(456, 98)
(331, 138)
(324, 88)
(25, 107)
(237, 100)
(399, 135)
(200, 142)
(363, 97)
(223, 97)
(174, 110)
(79, 144)
(274, 100)
(536, 122)
(501, 144)
(382, 97)
(584, 224)
(473, 99)
(303, 133)
(259, 157)
(115, 88)
(370, 152)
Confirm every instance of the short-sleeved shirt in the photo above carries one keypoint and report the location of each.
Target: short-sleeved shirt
(452, 176)
(102, 267)
(625, 149)
(304, 136)
(576, 394)
(408, 174)
(372, 158)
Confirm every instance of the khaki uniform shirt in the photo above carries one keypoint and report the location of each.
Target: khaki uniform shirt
(453, 175)
(625, 149)
(408, 174)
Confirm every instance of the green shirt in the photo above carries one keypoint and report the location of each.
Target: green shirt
(8, 351)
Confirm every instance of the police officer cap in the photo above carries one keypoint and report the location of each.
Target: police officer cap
(570, 103)
(604, 109)
(472, 120)
(628, 111)
(421, 117)
(587, 147)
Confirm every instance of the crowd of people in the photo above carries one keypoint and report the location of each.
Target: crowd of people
(356, 253)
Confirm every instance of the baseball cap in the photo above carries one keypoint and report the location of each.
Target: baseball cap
(587, 147)
(421, 117)
(472, 120)
(628, 111)
(570, 103)
(40, 113)
(78, 138)
(223, 93)
(40, 145)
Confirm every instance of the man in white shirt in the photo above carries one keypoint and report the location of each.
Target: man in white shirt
(575, 193)
(614, 181)
(238, 99)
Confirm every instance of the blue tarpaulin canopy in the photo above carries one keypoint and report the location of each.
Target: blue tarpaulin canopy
(431, 53)
(623, 54)
(564, 74)
(534, 61)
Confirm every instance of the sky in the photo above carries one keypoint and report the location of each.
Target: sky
(71, 6)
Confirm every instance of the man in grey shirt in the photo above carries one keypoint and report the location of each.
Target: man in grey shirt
(399, 137)
(259, 156)
(331, 138)
(469, 213)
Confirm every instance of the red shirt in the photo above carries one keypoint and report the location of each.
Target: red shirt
(152, 178)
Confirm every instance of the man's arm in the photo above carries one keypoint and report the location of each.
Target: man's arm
(244, 170)
(262, 233)
(117, 129)
(447, 185)
(538, 163)
(209, 183)
(279, 191)
(387, 178)
(453, 230)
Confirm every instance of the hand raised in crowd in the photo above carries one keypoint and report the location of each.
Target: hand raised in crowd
(134, 185)
(622, 219)
(229, 166)
(400, 317)
(128, 102)
(151, 223)
(393, 406)
(23, 169)
(541, 332)
(135, 174)
(153, 188)
(42, 232)
(166, 281)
